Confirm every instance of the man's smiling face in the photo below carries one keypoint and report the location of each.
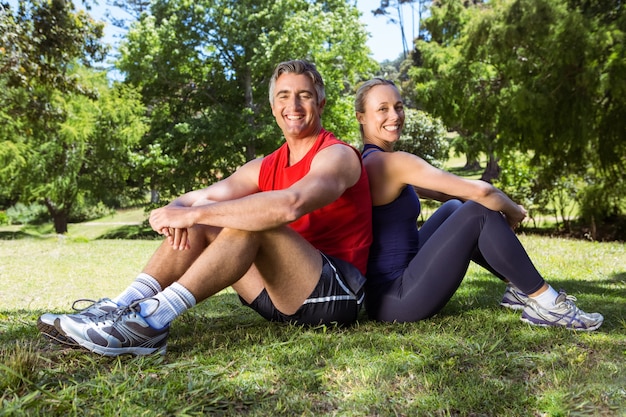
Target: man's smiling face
(295, 106)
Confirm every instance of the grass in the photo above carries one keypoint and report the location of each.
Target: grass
(472, 359)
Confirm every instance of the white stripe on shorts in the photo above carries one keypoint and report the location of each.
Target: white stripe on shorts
(331, 298)
(350, 295)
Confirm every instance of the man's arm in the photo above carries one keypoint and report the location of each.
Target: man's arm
(164, 220)
(244, 181)
(413, 170)
(333, 170)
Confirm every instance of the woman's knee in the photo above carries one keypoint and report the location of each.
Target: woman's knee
(478, 209)
(450, 206)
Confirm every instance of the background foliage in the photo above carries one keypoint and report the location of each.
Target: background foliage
(535, 86)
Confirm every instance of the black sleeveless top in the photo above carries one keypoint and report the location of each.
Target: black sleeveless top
(395, 234)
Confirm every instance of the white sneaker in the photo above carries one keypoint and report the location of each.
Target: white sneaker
(122, 331)
(564, 314)
(99, 308)
(513, 298)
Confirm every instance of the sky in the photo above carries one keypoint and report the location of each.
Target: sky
(385, 40)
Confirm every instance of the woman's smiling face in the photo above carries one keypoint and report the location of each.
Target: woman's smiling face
(383, 118)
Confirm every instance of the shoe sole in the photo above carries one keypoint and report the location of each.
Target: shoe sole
(104, 351)
(100, 350)
(52, 333)
(588, 329)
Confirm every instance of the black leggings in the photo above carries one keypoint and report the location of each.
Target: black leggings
(455, 234)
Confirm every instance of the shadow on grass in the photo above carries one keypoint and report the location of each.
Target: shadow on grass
(620, 277)
(235, 347)
(222, 322)
(222, 310)
(37, 231)
(131, 232)
(17, 234)
(466, 172)
(605, 296)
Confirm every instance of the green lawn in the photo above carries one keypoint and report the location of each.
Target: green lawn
(473, 359)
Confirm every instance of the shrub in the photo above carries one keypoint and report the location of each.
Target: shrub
(599, 202)
(31, 214)
(519, 180)
(425, 136)
(82, 212)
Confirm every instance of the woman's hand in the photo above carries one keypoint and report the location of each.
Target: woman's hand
(515, 219)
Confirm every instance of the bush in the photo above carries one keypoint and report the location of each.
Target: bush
(425, 136)
(82, 212)
(599, 202)
(31, 214)
(519, 180)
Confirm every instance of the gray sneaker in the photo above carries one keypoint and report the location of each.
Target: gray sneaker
(564, 314)
(122, 331)
(513, 298)
(45, 323)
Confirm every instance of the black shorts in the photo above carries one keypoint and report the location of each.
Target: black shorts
(336, 299)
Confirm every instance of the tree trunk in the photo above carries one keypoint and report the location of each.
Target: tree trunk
(492, 170)
(60, 223)
(251, 148)
(59, 217)
(154, 196)
(471, 164)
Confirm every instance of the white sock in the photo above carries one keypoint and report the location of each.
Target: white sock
(547, 298)
(172, 302)
(143, 286)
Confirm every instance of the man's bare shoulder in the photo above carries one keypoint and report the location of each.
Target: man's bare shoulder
(340, 151)
(338, 161)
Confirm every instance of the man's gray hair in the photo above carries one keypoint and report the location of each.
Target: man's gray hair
(298, 67)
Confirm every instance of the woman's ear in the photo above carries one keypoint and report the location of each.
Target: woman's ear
(359, 117)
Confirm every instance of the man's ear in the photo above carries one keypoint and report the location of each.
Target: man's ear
(321, 106)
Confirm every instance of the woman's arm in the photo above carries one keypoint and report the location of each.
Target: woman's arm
(413, 170)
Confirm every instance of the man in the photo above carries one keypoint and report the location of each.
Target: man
(289, 232)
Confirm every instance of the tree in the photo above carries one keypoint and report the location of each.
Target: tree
(203, 70)
(563, 66)
(397, 17)
(538, 76)
(42, 40)
(465, 94)
(134, 8)
(69, 127)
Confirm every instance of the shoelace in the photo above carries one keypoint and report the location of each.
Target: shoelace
(84, 300)
(574, 311)
(569, 300)
(133, 308)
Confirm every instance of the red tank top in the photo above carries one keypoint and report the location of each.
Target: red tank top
(344, 227)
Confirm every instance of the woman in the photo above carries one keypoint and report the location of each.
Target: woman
(413, 273)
